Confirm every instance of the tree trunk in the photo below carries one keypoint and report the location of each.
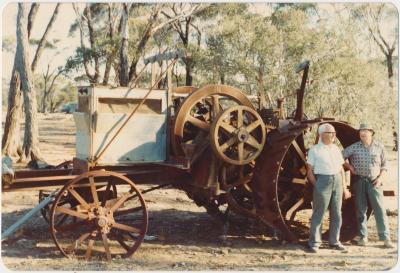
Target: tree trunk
(123, 53)
(93, 44)
(147, 34)
(31, 137)
(261, 92)
(31, 17)
(42, 42)
(44, 95)
(389, 61)
(189, 77)
(11, 141)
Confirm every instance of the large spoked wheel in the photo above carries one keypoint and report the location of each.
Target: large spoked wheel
(191, 136)
(107, 224)
(238, 135)
(282, 194)
(198, 111)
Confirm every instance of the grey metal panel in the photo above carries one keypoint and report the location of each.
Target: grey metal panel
(143, 139)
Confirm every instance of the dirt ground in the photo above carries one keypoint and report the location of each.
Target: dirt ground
(186, 237)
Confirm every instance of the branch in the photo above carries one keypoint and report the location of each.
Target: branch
(92, 43)
(42, 42)
(198, 32)
(191, 12)
(31, 17)
(85, 59)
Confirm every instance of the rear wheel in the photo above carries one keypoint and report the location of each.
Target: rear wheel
(107, 224)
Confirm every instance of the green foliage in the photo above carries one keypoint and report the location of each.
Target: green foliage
(9, 43)
(48, 44)
(258, 46)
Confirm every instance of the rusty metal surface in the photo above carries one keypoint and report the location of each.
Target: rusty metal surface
(99, 219)
(48, 179)
(275, 195)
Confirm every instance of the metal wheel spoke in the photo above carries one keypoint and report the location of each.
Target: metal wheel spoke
(215, 105)
(72, 212)
(291, 213)
(239, 118)
(227, 144)
(94, 191)
(70, 249)
(299, 151)
(121, 201)
(125, 227)
(106, 246)
(253, 142)
(198, 123)
(227, 127)
(79, 198)
(89, 249)
(240, 151)
(250, 128)
(120, 240)
(64, 217)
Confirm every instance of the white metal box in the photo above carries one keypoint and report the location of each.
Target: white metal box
(103, 110)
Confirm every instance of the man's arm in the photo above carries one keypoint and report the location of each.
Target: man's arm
(346, 192)
(310, 174)
(348, 167)
(378, 181)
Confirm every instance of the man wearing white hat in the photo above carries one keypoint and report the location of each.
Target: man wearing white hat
(325, 172)
(368, 162)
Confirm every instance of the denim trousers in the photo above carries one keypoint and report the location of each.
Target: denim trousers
(328, 192)
(364, 192)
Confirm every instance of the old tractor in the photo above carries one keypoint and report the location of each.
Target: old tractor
(211, 142)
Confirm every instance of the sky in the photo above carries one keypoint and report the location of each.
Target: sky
(59, 31)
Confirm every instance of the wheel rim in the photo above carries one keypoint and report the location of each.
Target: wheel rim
(108, 224)
(198, 110)
(238, 135)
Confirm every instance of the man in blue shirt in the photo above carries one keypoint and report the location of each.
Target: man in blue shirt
(368, 162)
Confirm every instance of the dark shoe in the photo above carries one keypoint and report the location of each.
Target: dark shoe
(339, 247)
(312, 249)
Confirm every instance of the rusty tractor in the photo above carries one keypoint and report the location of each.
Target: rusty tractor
(211, 142)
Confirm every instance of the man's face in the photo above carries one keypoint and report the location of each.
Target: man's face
(366, 136)
(328, 137)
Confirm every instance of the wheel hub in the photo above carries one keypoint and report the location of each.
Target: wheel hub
(242, 135)
(102, 221)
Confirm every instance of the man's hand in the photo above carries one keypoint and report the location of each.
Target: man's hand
(352, 170)
(349, 167)
(377, 182)
(346, 194)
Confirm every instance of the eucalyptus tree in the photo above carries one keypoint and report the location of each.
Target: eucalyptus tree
(22, 85)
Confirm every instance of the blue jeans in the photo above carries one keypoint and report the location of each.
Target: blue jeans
(365, 191)
(328, 192)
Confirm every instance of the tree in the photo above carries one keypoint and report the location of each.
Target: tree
(49, 80)
(375, 16)
(119, 47)
(183, 29)
(22, 80)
